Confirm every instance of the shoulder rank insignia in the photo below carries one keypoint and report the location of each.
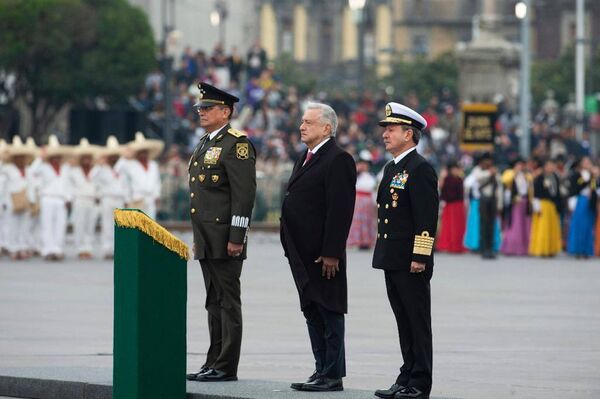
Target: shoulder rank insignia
(212, 155)
(399, 181)
(241, 150)
(236, 133)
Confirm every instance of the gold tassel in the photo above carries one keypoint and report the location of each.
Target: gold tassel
(134, 219)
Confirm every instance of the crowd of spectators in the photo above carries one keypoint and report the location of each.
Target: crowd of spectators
(270, 112)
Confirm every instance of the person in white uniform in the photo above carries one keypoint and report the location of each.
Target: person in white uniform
(55, 196)
(34, 236)
(20, 197)
(113, 190)
(143, 174)
(85, 210)
(3, 197)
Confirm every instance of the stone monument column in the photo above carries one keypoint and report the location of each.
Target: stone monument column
(489, 64)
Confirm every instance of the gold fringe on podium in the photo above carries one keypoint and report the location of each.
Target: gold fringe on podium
(136, 219)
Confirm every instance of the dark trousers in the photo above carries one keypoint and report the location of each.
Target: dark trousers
(410, 298)
(487, 221)
(224, 307)
(326, 332)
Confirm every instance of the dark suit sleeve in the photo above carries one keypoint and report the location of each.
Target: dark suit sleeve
(241, 171)
(424, 205)
(340, 193)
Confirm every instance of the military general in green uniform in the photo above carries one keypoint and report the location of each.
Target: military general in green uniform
(222, 178)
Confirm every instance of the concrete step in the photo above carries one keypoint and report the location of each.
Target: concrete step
(96, 383)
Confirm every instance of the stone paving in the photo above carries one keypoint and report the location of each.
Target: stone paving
(509, 328)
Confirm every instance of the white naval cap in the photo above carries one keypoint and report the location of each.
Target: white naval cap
(399, 114)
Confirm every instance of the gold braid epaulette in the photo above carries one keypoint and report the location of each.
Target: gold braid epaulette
(135, 219)
(236, 133)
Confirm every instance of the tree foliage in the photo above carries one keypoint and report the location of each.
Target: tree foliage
(559, 76)
(67, 51)
(292, 74)
(425, 77)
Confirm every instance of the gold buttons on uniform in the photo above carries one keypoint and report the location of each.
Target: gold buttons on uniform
(193, 178)
(385, 221)
(193, 210)
(387, 206)
(217, 219)
(378, 205)
(192, 195)
(378, 220)
(195, 163)
(385, 236)
(378, 235)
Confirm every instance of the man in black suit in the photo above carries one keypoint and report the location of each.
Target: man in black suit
(407, 203)
(315, 220)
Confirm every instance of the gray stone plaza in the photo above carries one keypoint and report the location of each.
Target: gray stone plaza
(509, 328)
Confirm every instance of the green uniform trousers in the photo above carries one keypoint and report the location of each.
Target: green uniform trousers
(224, 307)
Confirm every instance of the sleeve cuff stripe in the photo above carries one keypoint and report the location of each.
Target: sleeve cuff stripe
(422, 251)
(240, 221)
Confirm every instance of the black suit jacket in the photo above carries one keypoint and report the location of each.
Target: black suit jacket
(316, 216)
(407, 203)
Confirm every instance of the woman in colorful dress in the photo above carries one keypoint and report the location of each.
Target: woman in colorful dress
(517, 209)
(472, 232)
(597, 245)
(545, 226)
(453, 222)
(364, 227)
(583, 202)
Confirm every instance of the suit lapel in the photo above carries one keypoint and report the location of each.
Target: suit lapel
(302, 169)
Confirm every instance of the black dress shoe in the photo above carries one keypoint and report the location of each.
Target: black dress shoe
(214, 375)
(298, 385)
(324, 384)
(388, 393)
(411, 393)
(194, 376)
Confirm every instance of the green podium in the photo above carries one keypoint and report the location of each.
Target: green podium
(150, 282)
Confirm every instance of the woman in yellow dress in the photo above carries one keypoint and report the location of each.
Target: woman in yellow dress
(547, 205)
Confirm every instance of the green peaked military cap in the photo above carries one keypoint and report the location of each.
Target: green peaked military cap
(210, 95)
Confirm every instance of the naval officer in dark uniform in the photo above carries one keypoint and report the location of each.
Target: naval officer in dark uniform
(407, 203)
(222, 178)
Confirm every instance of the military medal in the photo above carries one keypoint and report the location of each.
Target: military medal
(212, 155)
(215, 178)
(201, 178)
(399, 181)
(394, 200)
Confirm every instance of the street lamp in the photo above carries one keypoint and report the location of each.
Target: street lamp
(357, 7)
(522, 12)
(217, 19)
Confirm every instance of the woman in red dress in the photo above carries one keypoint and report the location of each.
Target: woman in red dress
(364, 226)
(453, 219)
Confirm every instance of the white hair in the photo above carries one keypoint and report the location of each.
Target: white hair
(328, 115)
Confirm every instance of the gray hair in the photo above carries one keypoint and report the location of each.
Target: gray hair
(328, 115)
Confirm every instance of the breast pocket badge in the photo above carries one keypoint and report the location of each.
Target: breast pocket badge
(212, 155)
(399, 181)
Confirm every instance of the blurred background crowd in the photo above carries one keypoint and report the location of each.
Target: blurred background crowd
(92, 80)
